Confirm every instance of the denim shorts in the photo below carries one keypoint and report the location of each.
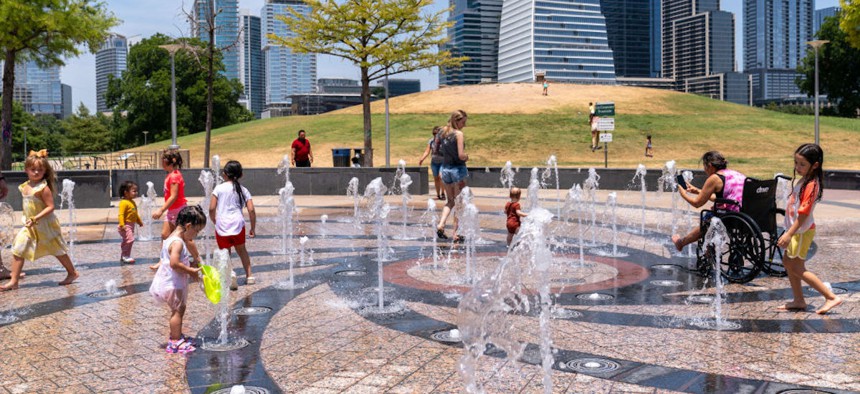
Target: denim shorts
(453, 174)
(435, 168)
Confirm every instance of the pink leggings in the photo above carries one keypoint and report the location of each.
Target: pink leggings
(127, 235)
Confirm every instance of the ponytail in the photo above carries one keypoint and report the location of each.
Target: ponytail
(233, 170)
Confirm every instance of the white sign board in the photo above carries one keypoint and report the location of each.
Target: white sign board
(606, 124)
(606, 137)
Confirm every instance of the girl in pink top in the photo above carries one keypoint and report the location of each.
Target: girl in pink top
(800, 229)
(174, 198)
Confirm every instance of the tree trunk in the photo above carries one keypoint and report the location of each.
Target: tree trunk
(6, 117)
(210, 54)
(365, 107)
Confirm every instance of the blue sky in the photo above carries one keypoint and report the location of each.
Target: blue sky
(143, 18)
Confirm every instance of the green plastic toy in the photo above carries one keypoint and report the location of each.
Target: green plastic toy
(211, 283)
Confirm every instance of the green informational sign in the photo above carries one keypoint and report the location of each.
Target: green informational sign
(604, 109)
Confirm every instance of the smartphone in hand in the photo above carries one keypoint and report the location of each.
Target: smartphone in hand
(681, 182)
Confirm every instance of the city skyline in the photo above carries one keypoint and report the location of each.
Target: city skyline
(144, 18)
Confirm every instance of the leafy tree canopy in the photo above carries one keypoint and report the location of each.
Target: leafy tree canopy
(380, 37)
(142, 96)
(850, 22)
(838, 69)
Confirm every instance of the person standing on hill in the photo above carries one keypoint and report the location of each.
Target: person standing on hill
(302, 154)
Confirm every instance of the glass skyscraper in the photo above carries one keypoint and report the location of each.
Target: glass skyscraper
(565, 40)
(251, 64)
(775, 36)
(226, 31)
(629, 30)
(40, 91)
(821, 15)
(475, 34)
(287, 73)
(111, 59)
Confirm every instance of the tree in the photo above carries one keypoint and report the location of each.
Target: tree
(838, 69)
(850, 21)
(42, 132)
(380, 37)
(46, 31)
(87, 133)
(205, 22)
(141, 98)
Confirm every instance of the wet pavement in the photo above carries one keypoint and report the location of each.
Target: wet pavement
(630, 323)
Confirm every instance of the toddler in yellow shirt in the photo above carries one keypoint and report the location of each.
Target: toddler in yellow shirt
(128, 217)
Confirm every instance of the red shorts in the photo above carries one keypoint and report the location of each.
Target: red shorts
(513, 226)
(228, 241)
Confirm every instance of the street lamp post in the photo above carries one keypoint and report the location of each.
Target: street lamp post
(172, 49)
(815, 46)
(387, 128)
(144, 137)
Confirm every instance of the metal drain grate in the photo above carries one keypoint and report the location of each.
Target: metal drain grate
(248, 390)
(667, 283)
(564, 313)
(590, 365)
(106, 294)
(714, 325)
(252, 310)
(803, 391)
(215, 346)
(701, 299)
(447, 336)
(595, 297)
(351, 273)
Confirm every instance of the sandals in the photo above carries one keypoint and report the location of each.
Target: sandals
(459, 239)
(182, 345)
(250, 280)
(440, 234)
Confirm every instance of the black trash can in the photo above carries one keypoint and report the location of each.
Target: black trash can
(340, 157)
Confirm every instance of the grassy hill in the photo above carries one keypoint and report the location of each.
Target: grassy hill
(515, 122)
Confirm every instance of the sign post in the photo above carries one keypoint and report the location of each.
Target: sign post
(605, 122)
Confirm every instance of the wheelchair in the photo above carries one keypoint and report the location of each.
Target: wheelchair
(753, 234)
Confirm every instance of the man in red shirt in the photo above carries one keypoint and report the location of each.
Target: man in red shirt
(302, 154)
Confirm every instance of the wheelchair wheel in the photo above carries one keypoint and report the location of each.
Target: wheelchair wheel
(745, 257)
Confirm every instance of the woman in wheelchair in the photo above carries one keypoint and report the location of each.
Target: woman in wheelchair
(721, 183)
(800, 228)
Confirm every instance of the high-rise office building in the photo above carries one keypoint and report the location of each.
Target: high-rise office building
(400, 87)
(821, 15)
(111, 60)
(673, 11)
(251, 64)
(560, 40)
(226, 30)
(703, 45)
(475, 34)
(287, 73)
(775, 37)
(629, 30)
(40, 91)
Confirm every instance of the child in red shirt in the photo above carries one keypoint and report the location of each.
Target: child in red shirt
(514, 212)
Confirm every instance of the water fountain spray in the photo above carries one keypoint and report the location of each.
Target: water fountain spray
(432, 218)
(207, 180)
(717, 237)
(323, 230)
(306, 257)
(575, 204)
(378, 210)
(405, 182)
(215, 167)
(552, 169)
(221, 260)
(590, 186)
(691, 250)
(286, 209)
(352, 191)
(668, 182)
(532, 199)
(485, 315)
(612, 203)
(507, 176)
(147, 202)
(470, 229)
(396, 187)
(640, 173)
(67, 197)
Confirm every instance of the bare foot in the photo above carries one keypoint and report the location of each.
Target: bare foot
(676, 239)
(828, 305)
(792, 306)
(70, 278)
(154, 267)
(9, 286)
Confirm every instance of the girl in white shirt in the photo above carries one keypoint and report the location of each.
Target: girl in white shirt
(225, 210)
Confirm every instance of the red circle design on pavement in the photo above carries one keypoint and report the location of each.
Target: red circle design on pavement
(628, 273)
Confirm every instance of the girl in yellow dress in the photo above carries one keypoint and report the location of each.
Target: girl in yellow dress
(41, 235)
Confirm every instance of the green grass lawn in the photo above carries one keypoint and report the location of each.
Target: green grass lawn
(756, 141)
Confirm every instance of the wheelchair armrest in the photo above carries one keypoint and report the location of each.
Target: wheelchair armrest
(727, 201)
(779, 211)
(780, 176)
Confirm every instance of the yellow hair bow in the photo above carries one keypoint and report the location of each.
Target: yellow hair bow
(41, 153)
